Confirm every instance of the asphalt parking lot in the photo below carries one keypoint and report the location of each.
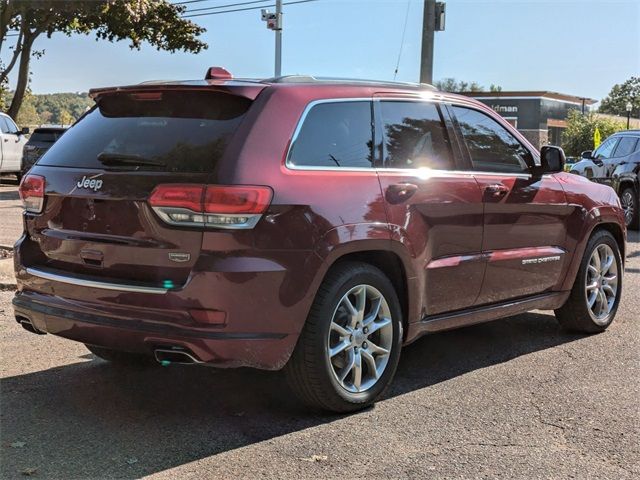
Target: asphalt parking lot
(515, 398)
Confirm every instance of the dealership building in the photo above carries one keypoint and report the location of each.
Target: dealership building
(539, 116)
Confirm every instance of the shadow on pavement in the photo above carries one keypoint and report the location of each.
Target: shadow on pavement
(91, 419)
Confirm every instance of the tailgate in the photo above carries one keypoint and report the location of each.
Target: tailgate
(96, 220)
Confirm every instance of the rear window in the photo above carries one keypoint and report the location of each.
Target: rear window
(168, 131)
(46, 136)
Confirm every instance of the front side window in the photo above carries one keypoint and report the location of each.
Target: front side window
(13, 128)
(606, 149)
(335, 134)
(414, 136)
(491, 147)
(4, 125)
(626, 146)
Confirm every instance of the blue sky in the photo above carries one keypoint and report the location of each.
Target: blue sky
(579, 47)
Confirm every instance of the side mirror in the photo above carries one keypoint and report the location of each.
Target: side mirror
(552, 159)
(24, 131)
(588, 154)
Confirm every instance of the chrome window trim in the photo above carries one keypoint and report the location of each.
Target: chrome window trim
(313, 103)
(95, 284)
(399, 98)
(413, 171)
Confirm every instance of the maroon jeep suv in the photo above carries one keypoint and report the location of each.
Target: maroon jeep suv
(314, 225)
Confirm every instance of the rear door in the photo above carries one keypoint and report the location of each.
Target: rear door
(525, 215)
(99, 176)
(435, 210)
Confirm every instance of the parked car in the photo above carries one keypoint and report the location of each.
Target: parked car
(616, 162)
(39, 142)
(312, 225)
(571, 161)
(12, 140)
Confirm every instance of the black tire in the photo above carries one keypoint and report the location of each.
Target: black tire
(119, 357)
(575, 315)
(309, 371)
(629, 194)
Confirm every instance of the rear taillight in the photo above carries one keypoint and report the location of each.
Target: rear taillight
(32, 193)
(220, 206)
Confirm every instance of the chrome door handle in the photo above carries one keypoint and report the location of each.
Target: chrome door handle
(399, 192)
(496, 190)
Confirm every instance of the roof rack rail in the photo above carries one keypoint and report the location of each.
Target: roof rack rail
(312, 79)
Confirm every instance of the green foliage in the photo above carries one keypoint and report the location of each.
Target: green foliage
(453, 85)
(54, 108)
(157, 22)
(578, 136)
(616, 102)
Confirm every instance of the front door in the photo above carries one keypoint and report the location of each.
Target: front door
(525, 215)
(434, 210)
(11, 145)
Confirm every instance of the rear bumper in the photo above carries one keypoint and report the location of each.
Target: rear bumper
(87, 323)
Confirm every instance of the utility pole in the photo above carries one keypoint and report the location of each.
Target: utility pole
(274, 22)
(433, 20)
(279, 38)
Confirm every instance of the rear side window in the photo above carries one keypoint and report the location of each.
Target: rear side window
(491, 147)
(414, 136)
(335, 134)
(45, 136)
(167, 131)
(626, 146)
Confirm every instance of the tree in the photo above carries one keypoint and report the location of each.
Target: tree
(452, 85)
(28, 115)
(578, 136)
(156, 22)
(616, 102)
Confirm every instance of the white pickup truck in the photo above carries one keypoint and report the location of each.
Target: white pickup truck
(12, 141)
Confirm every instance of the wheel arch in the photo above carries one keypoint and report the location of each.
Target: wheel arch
(608, 223)
(388, 263)
(617, 232)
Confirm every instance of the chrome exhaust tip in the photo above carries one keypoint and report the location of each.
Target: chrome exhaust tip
(28, 326)
(167, 356)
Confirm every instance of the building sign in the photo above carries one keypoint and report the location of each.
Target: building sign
(505, 108)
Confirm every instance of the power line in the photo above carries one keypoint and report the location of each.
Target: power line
(226, 6)
(404, 29)
(190, 1)
(244, 9)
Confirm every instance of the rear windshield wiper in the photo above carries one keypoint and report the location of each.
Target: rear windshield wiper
(108, 158)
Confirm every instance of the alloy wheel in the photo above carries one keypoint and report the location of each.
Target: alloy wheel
(628, 206)
(360, 338)
(601, 286)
